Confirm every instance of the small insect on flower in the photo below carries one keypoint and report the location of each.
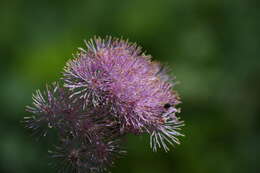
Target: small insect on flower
(136, 89)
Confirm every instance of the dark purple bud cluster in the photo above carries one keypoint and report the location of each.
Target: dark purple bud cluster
(108, 90)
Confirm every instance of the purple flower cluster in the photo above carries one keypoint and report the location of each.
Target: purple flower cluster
(108, 90)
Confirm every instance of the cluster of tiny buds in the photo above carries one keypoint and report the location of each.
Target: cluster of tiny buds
(107, 91)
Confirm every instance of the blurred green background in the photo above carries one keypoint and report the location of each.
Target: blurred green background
(210, 45)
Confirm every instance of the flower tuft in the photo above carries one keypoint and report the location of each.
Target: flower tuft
(117, 73)
(110, 89)
(89, 138)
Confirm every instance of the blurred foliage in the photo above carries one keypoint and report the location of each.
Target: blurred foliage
(212, 47)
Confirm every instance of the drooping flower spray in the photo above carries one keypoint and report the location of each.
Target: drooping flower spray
(108, 90)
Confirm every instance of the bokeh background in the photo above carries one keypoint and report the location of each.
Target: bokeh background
(211, 47)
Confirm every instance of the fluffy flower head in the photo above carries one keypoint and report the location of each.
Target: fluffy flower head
(137, 90)
(108, 90)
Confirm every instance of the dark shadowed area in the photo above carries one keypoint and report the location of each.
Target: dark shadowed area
(211, 46)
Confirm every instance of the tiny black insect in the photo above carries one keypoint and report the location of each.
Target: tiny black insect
(167, 105)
